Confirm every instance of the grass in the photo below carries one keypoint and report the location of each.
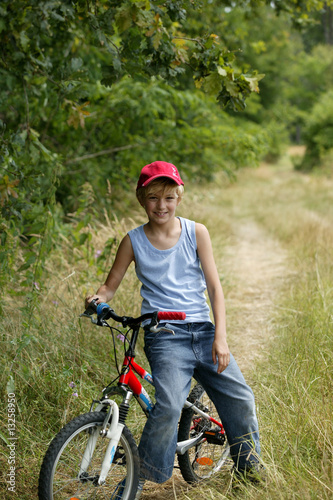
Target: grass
(294, 385)
(45, 346)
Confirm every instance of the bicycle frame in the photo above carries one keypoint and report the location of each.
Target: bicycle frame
(131, 385)
(128, 378)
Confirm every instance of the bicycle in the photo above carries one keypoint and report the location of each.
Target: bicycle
(95, 456)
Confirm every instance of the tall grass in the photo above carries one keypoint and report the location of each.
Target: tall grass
(45, 347)
(294, 385)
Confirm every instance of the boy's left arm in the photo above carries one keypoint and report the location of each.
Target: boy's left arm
(220, 349)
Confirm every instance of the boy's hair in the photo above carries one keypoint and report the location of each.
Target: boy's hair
(160, 185)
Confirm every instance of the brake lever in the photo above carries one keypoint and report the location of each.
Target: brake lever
(98, 321)
(156, 329)
(88, 313)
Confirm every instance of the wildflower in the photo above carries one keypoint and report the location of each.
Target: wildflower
(75, 394)
(55, 302)
(72, 385)
(121, 337)
(98, 253)
(36, 285)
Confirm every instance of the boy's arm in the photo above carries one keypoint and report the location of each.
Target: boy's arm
(124, 257)
(220, 349)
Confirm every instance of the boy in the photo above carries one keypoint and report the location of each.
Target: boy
(175, 264)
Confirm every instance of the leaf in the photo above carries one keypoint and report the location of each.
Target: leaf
(157, 39)
(123, 19)
(83, 238)
(221, 71)
(76, 63)
(78, 114)
(28, 263)
(143, 18)
(212, 83)
(25, 40)
(231, 87)
(6, 189)
(198, 82)
(254, 81)
(4, 438)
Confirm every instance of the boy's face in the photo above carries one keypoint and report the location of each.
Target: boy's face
(160, 205)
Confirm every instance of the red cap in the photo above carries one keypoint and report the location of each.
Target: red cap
(158, 169)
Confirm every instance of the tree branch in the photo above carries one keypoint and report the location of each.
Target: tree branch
(100, 153)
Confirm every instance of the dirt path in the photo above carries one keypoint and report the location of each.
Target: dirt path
(256, 265)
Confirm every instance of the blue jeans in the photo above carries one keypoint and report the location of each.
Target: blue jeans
(174, 360)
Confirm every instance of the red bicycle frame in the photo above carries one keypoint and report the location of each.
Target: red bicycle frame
(129, 379)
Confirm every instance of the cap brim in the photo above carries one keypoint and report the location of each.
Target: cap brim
(179, 182)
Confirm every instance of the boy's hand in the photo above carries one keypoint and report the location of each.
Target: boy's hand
(220, 354)
(89, 298)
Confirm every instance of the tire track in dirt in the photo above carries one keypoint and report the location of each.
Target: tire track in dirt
(256, 267)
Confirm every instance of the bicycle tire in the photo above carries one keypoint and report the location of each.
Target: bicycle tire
(59, 475)
(204, 459)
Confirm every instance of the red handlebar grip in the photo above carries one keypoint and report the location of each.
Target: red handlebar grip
(170, 315)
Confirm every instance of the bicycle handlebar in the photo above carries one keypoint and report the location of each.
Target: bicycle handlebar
(104, 312)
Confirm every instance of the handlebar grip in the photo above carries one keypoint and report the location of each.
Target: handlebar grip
(104, 310)
(170, 315)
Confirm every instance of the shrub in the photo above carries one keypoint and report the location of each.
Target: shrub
(319, 132)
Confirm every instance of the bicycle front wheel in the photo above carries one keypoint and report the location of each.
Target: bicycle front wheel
(72, 463)
(206, 457)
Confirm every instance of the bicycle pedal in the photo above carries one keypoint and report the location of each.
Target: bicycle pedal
(214, 437)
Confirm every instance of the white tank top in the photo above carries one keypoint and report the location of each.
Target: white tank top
(172, 279)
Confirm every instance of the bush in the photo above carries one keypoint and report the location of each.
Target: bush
(319, 133)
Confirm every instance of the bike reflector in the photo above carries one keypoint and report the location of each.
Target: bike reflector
(171, 315)
(204, 461)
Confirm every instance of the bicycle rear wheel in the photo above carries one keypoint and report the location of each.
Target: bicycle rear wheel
(205, 458)
(60, 477)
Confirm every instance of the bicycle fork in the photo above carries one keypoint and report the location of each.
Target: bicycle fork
(113, 433)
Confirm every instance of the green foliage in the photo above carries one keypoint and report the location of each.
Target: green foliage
(314, 71)
(64, 70)
(319, 132)
(26, 199)
(148, 121)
